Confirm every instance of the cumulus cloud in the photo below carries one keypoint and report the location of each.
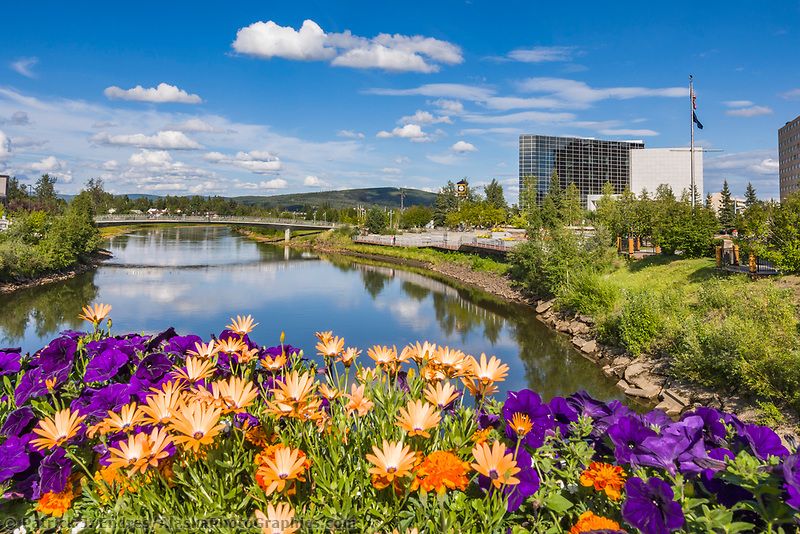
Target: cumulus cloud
(5, 146)
(18, 118)
(255, 161)
(48, 164)
(150, 158)
(166, 139)
(749, 111)
(160, 94)
(625, 131)
(400, 53)
(275, 183)
(522, 116)
(542, 54)
(462, 147)
(412, 132)
(194, 125)
(314, 181)
(24, 66)
(454, 107)
(391, 170)
(762, 162)
(505, 103)
(424, 117)
(350, 134)
(577, 94)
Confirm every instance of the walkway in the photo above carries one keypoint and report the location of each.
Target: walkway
(289, 224)
(454, 241)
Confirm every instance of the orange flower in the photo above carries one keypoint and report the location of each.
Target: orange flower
(278, 519)
(493, 462)
(392, 461)
(157, 442)
(488, 371)
(367, 374)
(96, 313)
(231, 345)
(348, 357)
(273, 363)
(521, 424)
(161, 406)
(441, 471)
(481, 436)
(417, 417)
(108, 479)
(56, 504)
(384, 357)
(196, 369)
(478, 388)
(247, 355)
(56, 430)
(441, 395)
(451, 362)
(330, 347)
(420, 353)
(329, 392)
(132, 453)
(235, 393)
(589, 522)
(358, 402)
(242, 325)
(287, 465)
(325, 336)
(604, 477)
(203, 350)
(127, 418)
(294, 397)
(196, 425)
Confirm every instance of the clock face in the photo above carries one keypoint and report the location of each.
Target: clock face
(462, 189)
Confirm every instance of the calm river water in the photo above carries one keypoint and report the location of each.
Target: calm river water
(195, 278)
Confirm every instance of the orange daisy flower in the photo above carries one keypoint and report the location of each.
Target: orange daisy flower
(294, 397)
(96, 313)
(358, 402)
(242, 325)
(348, 357)
(417, 417)
(392, 461)
(442, 394)
(451, 362)
(273, 363)
(488, 371)
(287, 465)
(247, 355)
(278, 519)
(330, 347)
(367, 374)
(161, 406)
(124, 421)
(235, 393)
(205, 351)
(604, 477)
(132, 453)
(481, 436)
(157, 442)
(196, 426)
(56, 430)
(329, 392)
(589, 522)
(420, 353)
(324, 336)
(196, 369)
(493, 462)
(384, 357)
(231, 345)
(521, 424)
(440, 471)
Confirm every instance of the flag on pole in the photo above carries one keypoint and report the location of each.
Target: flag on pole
(694, 115)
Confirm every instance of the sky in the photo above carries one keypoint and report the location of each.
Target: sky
(261, 98)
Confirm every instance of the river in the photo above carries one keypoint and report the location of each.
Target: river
(196, 278)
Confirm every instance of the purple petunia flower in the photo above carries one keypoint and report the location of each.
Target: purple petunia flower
(562, 414)
(56, 357)
(627, 435)
(764, 442)
(587, 406)
(13, 458)
(714, 431)
(97, 402)
(656, 419)
(680, 443)
(487, 420)
(791, 476)
(167, 335)
(18, 422)
(528, 480)
(245, 420)
(32, 384)
(650, 507)
(54, 472)
(179, 344)
(9, 363)
(105, 365)
(529, 403)
(153, 367)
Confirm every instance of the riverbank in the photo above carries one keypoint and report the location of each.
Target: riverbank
(644, 377)
(85, 265)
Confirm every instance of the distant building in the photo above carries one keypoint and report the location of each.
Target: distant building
(739, 204)
(789, 158)
(653, 167)
(588, 163)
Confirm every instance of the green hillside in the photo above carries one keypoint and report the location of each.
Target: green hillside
(346, 198)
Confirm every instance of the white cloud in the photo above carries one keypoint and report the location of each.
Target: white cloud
(314, 181)
(424, 117)
(453, 107)
(402, 160)
(18, 118)
(625, 131)
(5, 145)
(522, 116)
(437, 90)
(397, 52)
(541, 54)
(505, 103)
(166, 139)
(194, 125)
(24, 66)
(48, 164)
(275, 183)
(738, 103)
(111, 165)
(751, 162)
(161, 94)
(150, 158)
(391, 170)
(443, 159)
(412, 132)
(350, 134)
(752, 111)
(255, 161)
(462, 147)
(791, 95)
(578, 94)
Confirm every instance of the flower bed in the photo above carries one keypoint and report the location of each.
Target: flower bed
(169, 432)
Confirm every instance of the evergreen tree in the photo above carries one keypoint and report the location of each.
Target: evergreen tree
(607, 213)
(727, 213)
(45, 193)
(750, 198)
(446, 202)
(377, 221)
(551, 204)
(528, 203)
(494, 195)
(570, 211)
(708, 201)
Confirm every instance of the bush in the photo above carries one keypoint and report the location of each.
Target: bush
(589, 293)
(640, 323)
(377, 221)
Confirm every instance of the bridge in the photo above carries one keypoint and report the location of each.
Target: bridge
(277, 223)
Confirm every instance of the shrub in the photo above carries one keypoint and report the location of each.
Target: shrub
(640, 322)
(377, 221)
(589, 293)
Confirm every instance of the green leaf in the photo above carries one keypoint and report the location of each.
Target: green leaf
(558, 503)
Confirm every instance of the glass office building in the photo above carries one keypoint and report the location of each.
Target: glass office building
(588, 163)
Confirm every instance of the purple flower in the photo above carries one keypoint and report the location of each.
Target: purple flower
(153, 367)
(714, 430)
(105, 365)
(54, 472)
(562, 414)
(13, 458)
(9, 363)
(657, 419)
(679, 443)
(487, 420)
(627, 435)
(179, 344)
(32, 384)
(529, 403)
(764, 442)
(56, 357)
(528, 480)
(791, 475)
(650, 507)
(245, 420)
(18, 422)
(587, 406)
(97, 402)
(167, 335)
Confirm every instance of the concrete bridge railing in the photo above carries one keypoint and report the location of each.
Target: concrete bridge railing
(299, 224)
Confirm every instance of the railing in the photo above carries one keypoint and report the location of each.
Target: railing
(220, 219)
(437, 241)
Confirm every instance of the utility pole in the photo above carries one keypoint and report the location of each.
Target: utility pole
(402, 196)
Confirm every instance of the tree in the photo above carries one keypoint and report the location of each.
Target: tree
(570, 211)
(727, 210)
(377, 221)
(551, 204)
(607, 213)
(494, 195)
(45, 192)
(446, 202)
(528, 203)
(784, 236)
(750, 197)
(416, 217)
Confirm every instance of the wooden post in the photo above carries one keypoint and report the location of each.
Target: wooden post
(630, 246)
(736, 254)
(718, 249)
(752, 261)
(638, 245)
(619, 244)
(658, 249)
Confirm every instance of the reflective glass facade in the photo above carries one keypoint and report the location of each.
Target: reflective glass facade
(589, 163)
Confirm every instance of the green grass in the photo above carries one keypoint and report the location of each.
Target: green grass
(663, 273)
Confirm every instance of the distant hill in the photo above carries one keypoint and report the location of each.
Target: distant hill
(345, 198)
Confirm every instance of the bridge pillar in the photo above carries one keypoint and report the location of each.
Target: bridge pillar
(287, 234)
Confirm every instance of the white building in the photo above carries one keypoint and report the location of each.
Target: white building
(739, 204)
(651, 167)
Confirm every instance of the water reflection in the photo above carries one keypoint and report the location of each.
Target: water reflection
(195, 278)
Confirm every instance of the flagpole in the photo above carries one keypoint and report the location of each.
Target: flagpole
(693, 191)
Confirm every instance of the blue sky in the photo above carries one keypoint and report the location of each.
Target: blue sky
(277, 97)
